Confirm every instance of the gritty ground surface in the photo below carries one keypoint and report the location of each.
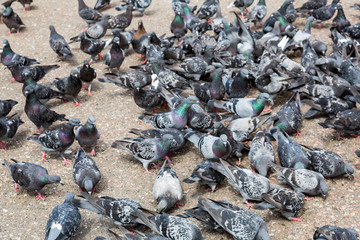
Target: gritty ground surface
(22, 216)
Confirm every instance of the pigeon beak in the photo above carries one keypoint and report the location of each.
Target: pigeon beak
(323, 195)
(271, 102)
(89, 192)
(62, 183)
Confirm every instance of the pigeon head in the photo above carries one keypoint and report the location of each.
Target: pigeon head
(74, 73)
(74, 122)
(52, 28)
(168, 137)
(28, 90)
(80, 152)
(7, 11)
(349, 170)
(324, 189)
(105, 17)
(5, 42)
(88, 185)
(91, 120)
(69, 197)
(26, 74)
(116, 40)
(54, 179)
(165, 203)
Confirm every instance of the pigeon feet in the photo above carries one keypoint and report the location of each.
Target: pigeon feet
(92, 153)
(8, 33)
(319, 25)
(298, 133)
(12, 79)
(308, 198)
(83, 87)
(44, 156)
(167, 158)
(100, 57)
(77, 104)
(239, 163)
(248, 204)
(16, 188)
(267, 109)
(39, 196)
(17, 33)
(148, 172)
(178, 205)
(65, 161)
(156, 166)
(3, 145)
(297, 219)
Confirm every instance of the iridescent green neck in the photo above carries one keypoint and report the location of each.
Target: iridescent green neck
(177, 19)
(282, 20)
(262, 2)
(258, 104)
(182, 109)
(307, 27)
(156, 68)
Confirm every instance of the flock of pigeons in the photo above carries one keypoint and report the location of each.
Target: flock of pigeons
(204, 78)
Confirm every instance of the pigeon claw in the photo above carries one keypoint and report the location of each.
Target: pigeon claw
(44, 156)
(92, 153)
(248, 204)
(178, 205)
(16, 188)
(12, 79)
(77, 104)
(39, 196)
(148, 172)
(308, 198)
(297, 219)
(156, 166)
(239, 163)
(3, 145)
(8, 33)
(65, 161)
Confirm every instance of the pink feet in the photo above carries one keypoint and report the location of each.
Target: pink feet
(3, 145)
(297, 219)
(17, 33)
(319, 25)
(92, 153)
(267, 109)
(178, 205)
(167, 158)
(298, 133)
(77, 104)
(16, 188)
(149, 172)
(44, 156)
(100, 57)
(39, 196)
(65, 161)
(239, 163)
(155, 166)
(248, 204)
(308, 198)
(83, 87)
(8, 33)
(12, 79)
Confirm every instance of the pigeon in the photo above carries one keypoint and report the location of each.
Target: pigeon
(178, 136)
(201, 121)
(64, 220)
(210, 146)
(243, 127)
(88, 14)
(30, 176)
(8, 57)
(96, 31)
(86, 173)
(178, 26)
(69, 86)
(258, 12)
(6, 106)
(290, 153)
(334, 232)
(236, 83)
(312, 4)
(303, 180)
(121, 21)
(169, 226)
(24, 3)
(115, 57)
(146, 98)
(57, 140)
(12, 20)
(288, 118)
(102, 4)
(167, 78)
(141, 40)
(286, 201)
(138, 5)
(242, 5)
(261, 153)
(167, 190)
(207, 9)
(59, 45)
(249, 184)
(139, 235)
(93, 47)
(345, 122)
(146, 150)
(119, 210)
(328, 163)
(128, 79)
(9, 127)
(239, 222)
(177, 118)
(88, 135)
(87, 74)
(244, 107)
(340, 22)
(206, 174)
(38, 113)
(324, 13)
(35, 72)
(309, 57)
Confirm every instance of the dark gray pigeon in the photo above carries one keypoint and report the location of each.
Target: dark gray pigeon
(286, 201)
(146, 150)
(290, 153)
(128, 79)
(37, 112)
(30, 176)
(12, 20)
(59, 44)
(37, 72)
(57, 140)
(69, 86)
(88, 135)
(206, 174)
(87, 74)
(312, 4)
(115, 56)
(121, 21)
(167, 190)
(86, 173)
(96, 31)
(9, 57)
(249, 184)
(119, 210)
(240, 223)
(244, 107)
(6, 106)
(102, 4)
(328, 163)
(261, 153)
(324, 13)
(178, 136)
(169, 226)
(210, 146)
(93, 47)
(64, 220)
(257, 13)
(207, 9)
(8, 128)
(309, 57)
(303, 180)
(147, 98)
(328, 232)
(88, 14)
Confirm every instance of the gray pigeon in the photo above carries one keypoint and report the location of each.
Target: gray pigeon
(59, 44)
(88, 14)
(138, 5)
(207, 9)
(69, 86)
(30, 176)
(6, 106)
(169, 226)
(96, 31)
(86, 173)
(303, 180)
(9, 57)
(128, 79)
(328, 163)
(242, 5)
(243, 107)
(64, 220)
(258, 12)
(88, 135)
(206, 174)
(119, 210)
(286, 201)
(210, 146)
(115, 56)
(146, 150)
(249, 184)
(8, 128)
(290, 153)
(130, 235)
(261, 153)
(240, 223)
(167, 190)
(328, 232)
(57, 140)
